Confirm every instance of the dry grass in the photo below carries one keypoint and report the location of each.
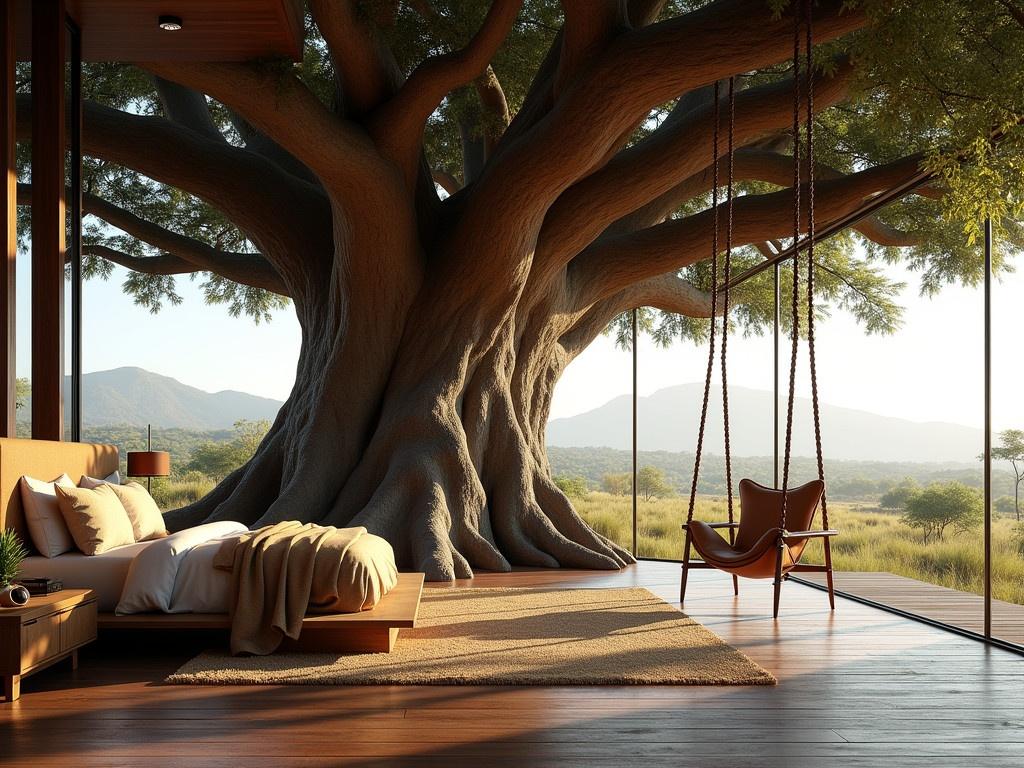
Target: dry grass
(870, 540)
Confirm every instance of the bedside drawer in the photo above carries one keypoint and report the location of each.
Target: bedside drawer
(40, 639)
(77, 626)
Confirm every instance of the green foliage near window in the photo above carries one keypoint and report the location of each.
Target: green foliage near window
(22, 391)
(219, 459)
(898, 497)
(573, 487)
(617, 483)
(944, 505)
(12, 552)
(651, 484)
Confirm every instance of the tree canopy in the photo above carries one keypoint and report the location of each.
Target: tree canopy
(935, 77)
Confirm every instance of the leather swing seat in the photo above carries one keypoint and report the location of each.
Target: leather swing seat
(755, 551)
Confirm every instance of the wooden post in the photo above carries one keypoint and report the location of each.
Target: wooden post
(9, 224)
(48, 218)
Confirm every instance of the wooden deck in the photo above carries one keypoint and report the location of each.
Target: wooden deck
(860, 687)
(962, 609)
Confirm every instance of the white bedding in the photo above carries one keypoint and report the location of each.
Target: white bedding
(175, 574)
(186, 556)
(105, 573)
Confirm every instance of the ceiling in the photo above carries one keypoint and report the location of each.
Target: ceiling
(212, 30)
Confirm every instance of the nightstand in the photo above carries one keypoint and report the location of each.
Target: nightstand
(50, 628)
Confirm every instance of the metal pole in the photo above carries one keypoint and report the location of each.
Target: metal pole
(988, 428)
(634, 429)
(76, 230)
(775, 381)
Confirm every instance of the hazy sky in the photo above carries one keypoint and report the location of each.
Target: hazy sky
(930, 371)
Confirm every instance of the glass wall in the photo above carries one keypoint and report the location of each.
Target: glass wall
(903, 430)
(671, 390)
(23, 275)
(590, 435)
(1007, 551)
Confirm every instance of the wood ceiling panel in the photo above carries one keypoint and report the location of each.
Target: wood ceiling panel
(220, 30)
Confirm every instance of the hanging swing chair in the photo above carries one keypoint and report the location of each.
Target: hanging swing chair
(775, 523)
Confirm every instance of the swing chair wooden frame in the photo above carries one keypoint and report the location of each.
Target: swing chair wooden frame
(760, 546)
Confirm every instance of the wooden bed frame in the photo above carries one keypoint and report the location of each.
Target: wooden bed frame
(375, 630)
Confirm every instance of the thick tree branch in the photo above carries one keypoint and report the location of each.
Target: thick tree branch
(245, 268)
(276, 211)
(615, 263)
(639, 69)
(668, 292)
(589, 25)
(164, 264)
(754, 165)
(496, 117)
(777, 169)
(365, 67)
(679, 149)
(277, 103)
(398, 124)
(187, 107)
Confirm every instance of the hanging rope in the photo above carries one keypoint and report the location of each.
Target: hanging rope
(725, 295)
(795, 330)
(714, 311)
(808, 6)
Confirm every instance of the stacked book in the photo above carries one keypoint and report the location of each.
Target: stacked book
(42, 586)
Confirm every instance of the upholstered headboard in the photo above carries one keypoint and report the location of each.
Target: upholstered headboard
(45, 460)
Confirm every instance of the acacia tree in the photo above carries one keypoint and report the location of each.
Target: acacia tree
(457, 197)
(1011, 449)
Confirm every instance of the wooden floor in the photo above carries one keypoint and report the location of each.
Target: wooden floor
(858, 688)
(950, 606)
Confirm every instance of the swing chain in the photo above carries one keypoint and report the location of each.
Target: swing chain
(810, 262)
(714, 311)
(727, 277)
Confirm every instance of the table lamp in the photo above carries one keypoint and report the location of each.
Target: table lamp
(149, 463)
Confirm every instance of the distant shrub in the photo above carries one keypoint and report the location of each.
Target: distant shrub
(898, 496)
(944, 505)
(617, 483)
(1017, 538)
(573, 487)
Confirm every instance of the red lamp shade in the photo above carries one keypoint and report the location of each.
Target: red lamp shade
(149, 463)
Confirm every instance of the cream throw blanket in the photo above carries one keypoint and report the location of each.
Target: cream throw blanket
(282, 572)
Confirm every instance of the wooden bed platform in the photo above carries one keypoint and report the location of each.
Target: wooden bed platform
(373, 631)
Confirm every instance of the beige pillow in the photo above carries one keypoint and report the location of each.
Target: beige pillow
(97, 520)
(91, 482)
(46, 526)
(147, 520)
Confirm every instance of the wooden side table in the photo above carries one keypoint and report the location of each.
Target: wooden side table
(50, 628)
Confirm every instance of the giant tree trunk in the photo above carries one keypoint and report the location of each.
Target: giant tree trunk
(445, 459)
(434, 331)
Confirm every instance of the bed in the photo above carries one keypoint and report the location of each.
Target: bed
(171, 582)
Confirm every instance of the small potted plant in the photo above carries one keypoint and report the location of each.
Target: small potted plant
(12, 552)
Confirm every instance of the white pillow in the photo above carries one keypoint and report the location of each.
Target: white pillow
(91, 482)
(46, 525)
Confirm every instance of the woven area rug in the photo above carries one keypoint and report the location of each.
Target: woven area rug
(513, 637)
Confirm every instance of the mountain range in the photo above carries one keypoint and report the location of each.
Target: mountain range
(133, 396)
(668, 419)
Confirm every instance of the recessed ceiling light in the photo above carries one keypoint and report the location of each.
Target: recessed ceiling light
(170, 23)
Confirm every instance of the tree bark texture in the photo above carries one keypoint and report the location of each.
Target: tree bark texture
(435, 328)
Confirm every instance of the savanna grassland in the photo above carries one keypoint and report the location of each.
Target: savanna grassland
(869, 540)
